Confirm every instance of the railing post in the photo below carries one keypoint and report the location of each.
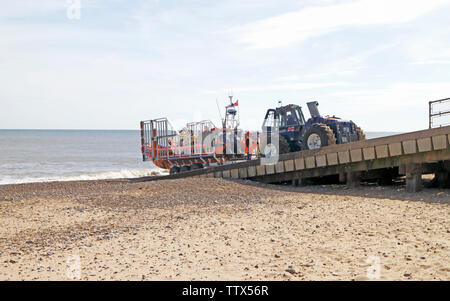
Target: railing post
(142, 141)
(429, 115)
(154, 144)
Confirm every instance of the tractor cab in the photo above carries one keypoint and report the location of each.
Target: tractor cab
(296, 133)
(290, 121)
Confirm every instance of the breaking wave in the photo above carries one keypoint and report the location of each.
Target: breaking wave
(122, 174)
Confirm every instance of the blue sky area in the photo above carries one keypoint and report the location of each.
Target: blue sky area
(375, 62)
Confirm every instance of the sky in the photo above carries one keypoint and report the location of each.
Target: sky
(110, 64)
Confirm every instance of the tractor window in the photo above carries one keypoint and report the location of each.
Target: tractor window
(282, 120)
(290, 119)
(300, 116)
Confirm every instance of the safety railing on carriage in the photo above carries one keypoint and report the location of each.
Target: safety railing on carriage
(161, 141)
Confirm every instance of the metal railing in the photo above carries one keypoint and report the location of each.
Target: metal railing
(156, 136)
(439, 113)
(160, 141)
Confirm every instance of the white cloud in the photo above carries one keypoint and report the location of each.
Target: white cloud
(347, 66)
(429, 46)
(27, 8)
(287, 86)
(398, 107)
(430, 62)
(294, 27)
(398, 95)
(319, 75)
(123, 62)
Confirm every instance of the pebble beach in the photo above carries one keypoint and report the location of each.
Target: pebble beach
(216, 229)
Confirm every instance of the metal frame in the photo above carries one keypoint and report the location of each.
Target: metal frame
(155, 135)
(433, 114)
(161, 143)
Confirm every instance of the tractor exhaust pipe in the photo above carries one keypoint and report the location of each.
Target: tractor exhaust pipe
(313, 109)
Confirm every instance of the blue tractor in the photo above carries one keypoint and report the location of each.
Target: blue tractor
(296, 133)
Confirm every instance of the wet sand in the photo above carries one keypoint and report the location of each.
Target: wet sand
(213, 229)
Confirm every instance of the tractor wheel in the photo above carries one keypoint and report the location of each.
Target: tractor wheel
(271, 151)
(174, 170)
(361, 134)
(317, 136)
(283, 144)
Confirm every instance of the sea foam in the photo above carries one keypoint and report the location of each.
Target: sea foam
(122, 174)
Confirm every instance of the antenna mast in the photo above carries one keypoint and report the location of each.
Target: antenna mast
(231, 115)
(220, 113)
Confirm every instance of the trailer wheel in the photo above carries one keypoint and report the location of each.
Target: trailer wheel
(174, 170)
(361, 134)
(185, 168)
(317, 136)
(196, 166)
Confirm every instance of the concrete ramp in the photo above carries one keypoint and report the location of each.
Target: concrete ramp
(411, 154)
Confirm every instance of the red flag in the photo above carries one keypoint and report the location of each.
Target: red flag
(236, 103)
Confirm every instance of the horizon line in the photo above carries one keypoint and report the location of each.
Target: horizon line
(65, 129)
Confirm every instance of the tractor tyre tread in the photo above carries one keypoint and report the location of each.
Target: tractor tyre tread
(331, 139)
(283, 145)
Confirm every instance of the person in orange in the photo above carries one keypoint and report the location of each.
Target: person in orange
(247, 144)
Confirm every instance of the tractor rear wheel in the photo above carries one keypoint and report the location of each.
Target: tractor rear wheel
(317, 136)
(361, 134)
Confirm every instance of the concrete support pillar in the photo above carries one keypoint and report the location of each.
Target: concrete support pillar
(443, 178)
(300, 180)
(342, 178)
(413, 177)
(353, 179)
(443, 175)
(295, 177)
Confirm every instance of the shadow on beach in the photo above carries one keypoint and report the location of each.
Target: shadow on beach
(397, 191)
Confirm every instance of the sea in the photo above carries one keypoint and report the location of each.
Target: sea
(28, 156)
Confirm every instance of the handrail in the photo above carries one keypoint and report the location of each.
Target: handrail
(432, 114)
